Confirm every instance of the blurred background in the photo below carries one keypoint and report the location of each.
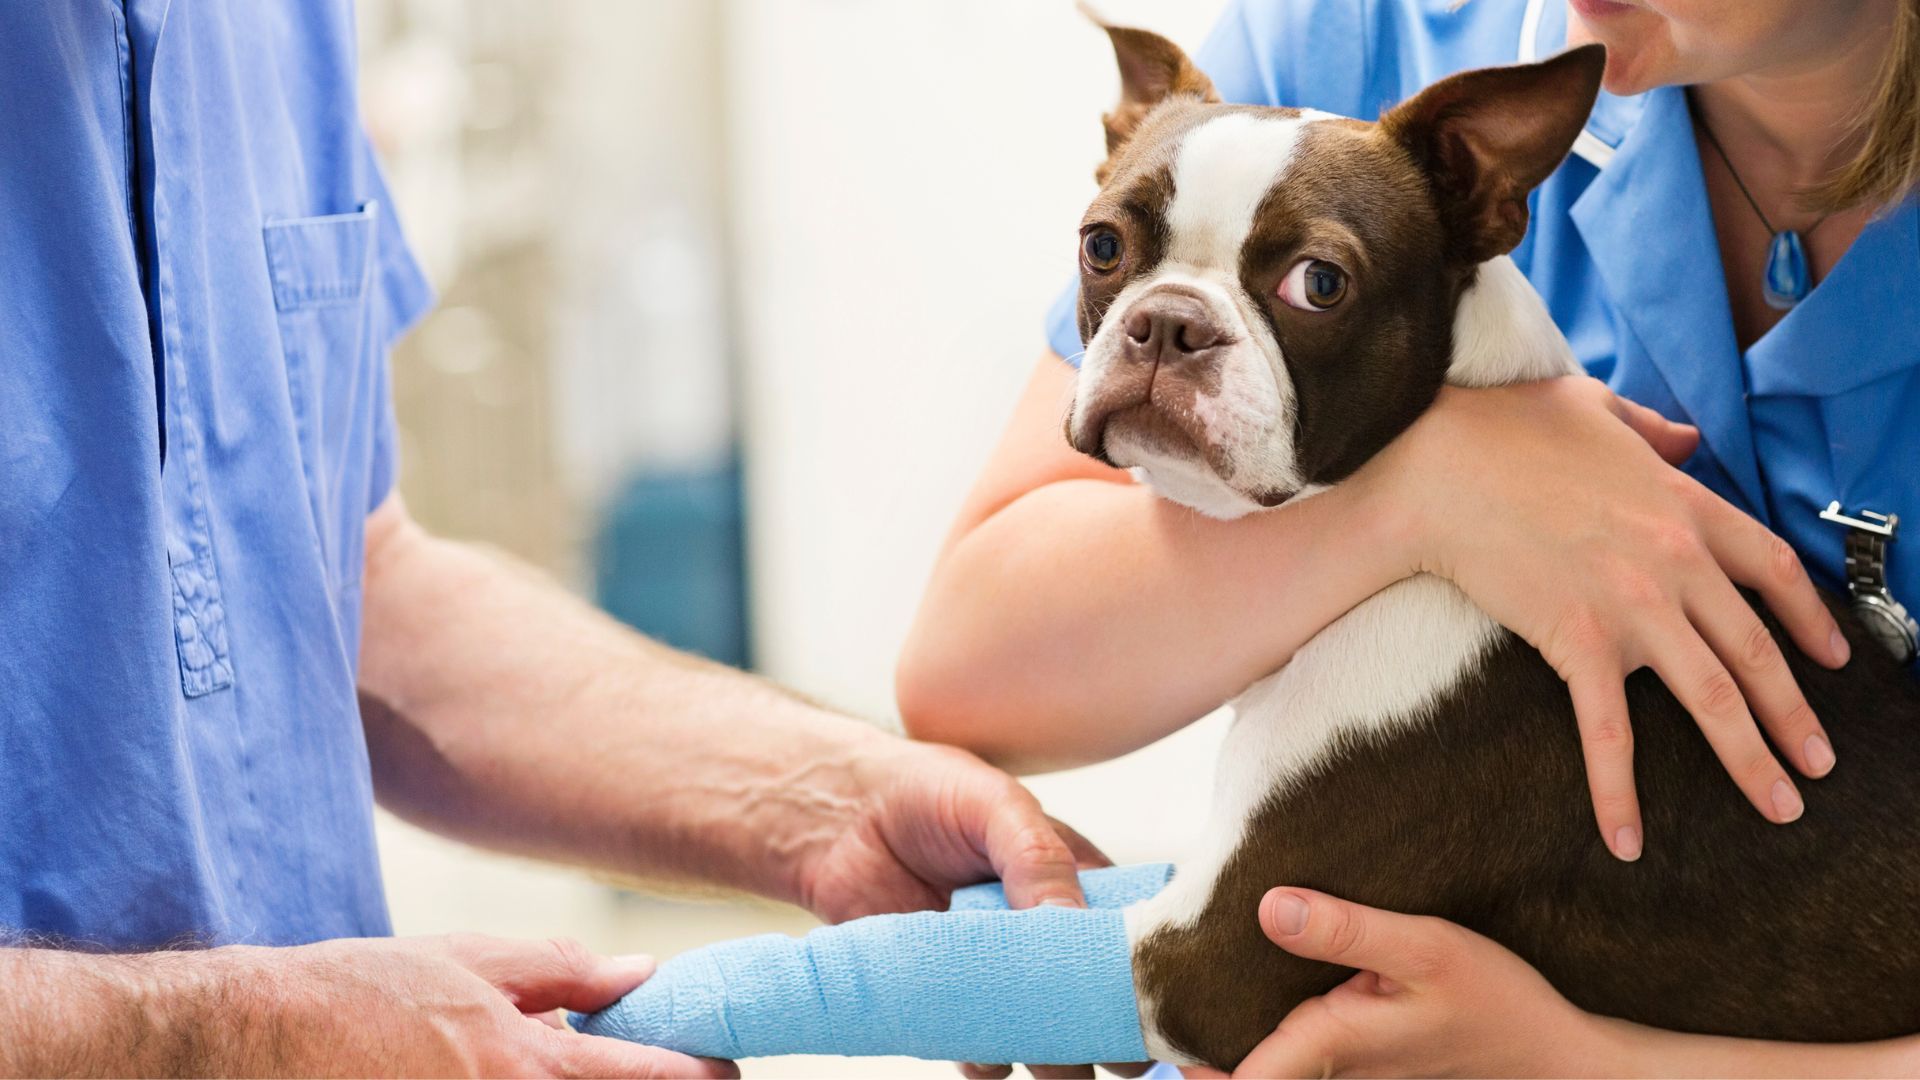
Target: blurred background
(735, 295)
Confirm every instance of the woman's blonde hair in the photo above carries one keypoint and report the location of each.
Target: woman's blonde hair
(1887, 167)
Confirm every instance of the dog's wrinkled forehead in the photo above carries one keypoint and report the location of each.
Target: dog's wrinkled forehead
(1195, 177)
(1223, 171)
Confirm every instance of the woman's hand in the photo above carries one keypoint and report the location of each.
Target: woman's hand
(1550, 505)
(1431, 999)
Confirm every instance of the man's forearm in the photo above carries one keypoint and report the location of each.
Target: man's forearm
(82, 1014)
(505, 712)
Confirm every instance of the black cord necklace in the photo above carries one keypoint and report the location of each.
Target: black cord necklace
(1789, 278)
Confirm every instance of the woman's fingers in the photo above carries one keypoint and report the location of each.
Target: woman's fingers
(1673, 442)
(1697, 677)
(1606, 741)
(1753, 556)
(1744, 643)
(1306, 1044)
(1403, 950)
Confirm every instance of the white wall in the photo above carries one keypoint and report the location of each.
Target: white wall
(908, 176)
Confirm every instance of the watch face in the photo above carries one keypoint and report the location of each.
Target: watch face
(1889, 625)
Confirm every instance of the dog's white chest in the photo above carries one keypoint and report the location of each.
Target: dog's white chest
(1382, 665)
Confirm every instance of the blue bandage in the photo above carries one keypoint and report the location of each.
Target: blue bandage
(1047, 986)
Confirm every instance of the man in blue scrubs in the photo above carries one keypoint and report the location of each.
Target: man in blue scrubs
(221, 636)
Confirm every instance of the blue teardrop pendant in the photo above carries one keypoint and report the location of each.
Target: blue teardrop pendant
(1788, 279)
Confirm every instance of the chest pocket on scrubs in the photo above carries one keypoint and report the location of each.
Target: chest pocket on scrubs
(322, 272)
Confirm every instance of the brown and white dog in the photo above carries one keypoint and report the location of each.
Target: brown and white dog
(1269, 296)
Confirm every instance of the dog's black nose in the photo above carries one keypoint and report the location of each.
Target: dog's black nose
(1170, 327)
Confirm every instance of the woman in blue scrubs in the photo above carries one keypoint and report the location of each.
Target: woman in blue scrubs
(1734, 246)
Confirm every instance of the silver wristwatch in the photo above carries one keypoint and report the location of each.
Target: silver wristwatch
(1884, 617)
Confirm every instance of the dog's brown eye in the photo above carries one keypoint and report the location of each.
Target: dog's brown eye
(1313, 285)
(1102, 250)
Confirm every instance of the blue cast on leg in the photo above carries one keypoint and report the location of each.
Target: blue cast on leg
(974, 983)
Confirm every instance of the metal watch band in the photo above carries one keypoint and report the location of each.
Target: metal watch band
(1866, 560)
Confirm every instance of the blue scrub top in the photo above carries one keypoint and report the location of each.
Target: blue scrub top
(200, 273)
(1622, 246)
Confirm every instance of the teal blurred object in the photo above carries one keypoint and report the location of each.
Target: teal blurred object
(670, 560)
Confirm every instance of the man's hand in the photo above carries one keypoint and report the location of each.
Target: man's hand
(441, 1006)
(464, 1005)
(929, 819)
(924, 820)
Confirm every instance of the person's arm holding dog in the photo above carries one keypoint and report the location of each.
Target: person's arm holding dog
(1138, 616)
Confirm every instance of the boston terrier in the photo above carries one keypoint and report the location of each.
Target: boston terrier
(1269, 296)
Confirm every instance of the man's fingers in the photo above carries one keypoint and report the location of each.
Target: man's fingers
(1753, 556)
(1697, 677)
(1402, 949)
(1673, 442)
(558, 973)
(1085, 855)
(573, 1054)
(1606, 742)
(1035, 864)
(1746, 645)
(974, 1070)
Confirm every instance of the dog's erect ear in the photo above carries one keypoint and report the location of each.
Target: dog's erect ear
(1152, 69)
(1486, 138)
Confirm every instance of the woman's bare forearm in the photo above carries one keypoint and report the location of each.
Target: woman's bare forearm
(1633, 1050)
(1087, 618)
